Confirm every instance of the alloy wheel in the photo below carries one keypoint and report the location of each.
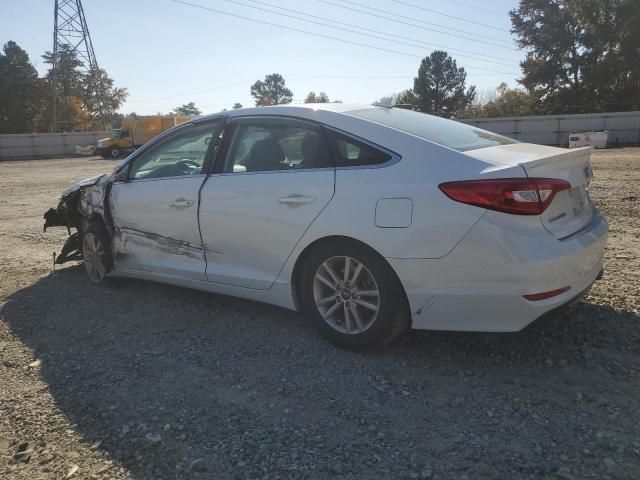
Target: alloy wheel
(346, 295)
(93, 252)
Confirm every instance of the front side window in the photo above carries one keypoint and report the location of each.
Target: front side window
(179, 155)
(264, 145)
(349, 152)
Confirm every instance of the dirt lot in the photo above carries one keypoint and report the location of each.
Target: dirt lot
(138, 380)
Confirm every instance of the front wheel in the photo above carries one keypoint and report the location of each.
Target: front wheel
(115, 153)
(96, 251)
(352, 296)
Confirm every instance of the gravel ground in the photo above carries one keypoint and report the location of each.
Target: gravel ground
(139, 380)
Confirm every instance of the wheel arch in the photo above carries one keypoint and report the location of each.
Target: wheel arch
(297, 268)
(95, 217)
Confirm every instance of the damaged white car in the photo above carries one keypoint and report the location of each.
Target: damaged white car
(368, 219)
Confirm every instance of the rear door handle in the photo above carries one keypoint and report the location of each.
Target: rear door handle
(181, 203)
(296, 200)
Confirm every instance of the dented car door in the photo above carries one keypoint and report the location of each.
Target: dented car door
(273, 177)
(154, 205)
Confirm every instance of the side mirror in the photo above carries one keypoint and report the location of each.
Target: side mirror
(121, 175)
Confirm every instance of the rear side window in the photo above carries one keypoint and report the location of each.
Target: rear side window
(275, 144)
(349, 152)
(449, 133)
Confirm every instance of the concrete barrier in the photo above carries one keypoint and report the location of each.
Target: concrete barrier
(45, 145)
(623, 127)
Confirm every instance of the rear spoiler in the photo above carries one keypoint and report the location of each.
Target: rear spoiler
(573, 154)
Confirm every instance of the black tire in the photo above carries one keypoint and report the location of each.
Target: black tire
(115, 152)
(103, 152)
(392, 317)
(97, 232)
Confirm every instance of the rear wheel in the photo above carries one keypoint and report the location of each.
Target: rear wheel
(115, 152)
(352, 295)
(96, 251)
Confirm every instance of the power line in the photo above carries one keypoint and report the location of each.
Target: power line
(349, 77)
(449, 16)
(492, 12)
(295, 75)
(428, 23)
(500, 4)
(190, 93)
(315, 34)
(356, 32)
(378, 31)
(409, 23)
(419, 20)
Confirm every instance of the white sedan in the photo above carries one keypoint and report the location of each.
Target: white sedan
(367, 219)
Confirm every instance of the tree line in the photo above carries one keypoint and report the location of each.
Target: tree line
(273, 91)
(580, 56)
(83, 98)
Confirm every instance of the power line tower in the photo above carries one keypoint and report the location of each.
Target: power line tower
(70, 28)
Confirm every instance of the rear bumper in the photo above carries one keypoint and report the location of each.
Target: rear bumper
(480, 285)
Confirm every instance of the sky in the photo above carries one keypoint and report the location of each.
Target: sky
(167, 52)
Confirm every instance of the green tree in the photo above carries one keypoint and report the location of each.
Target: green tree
(271, 91)
(406, 99)
(387, 101)
(319, 98)
(440, 87)
(510, 103)
(83, 100)
(68, 95)
(582, 55)
(237, 106)
(100, 97)
(69, 78)
(476, 109)
(20, 91)
(187, 109)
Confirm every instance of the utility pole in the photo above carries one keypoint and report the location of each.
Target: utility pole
(70, 28)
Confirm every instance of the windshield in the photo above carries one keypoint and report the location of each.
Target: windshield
(115, 133)
(449, 133)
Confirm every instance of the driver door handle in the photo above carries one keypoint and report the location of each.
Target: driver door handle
(296, 200)
(181, 203)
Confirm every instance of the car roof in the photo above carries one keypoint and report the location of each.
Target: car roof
(306, 110)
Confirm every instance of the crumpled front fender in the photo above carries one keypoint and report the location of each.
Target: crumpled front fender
(78, 205)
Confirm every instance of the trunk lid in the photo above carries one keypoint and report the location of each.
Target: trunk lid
(571, 209)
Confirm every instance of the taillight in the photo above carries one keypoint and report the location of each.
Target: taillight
(534, 297)
(520, 196)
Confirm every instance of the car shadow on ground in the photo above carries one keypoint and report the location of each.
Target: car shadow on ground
(164, 377)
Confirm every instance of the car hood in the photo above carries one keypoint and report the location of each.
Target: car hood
(87, 182)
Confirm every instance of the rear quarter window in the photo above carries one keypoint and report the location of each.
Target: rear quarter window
(349, 152)
(448, 133)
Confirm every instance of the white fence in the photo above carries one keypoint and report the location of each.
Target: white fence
(623, 127)
(42, 145)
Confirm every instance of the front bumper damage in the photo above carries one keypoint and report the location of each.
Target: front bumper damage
(79, 205)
